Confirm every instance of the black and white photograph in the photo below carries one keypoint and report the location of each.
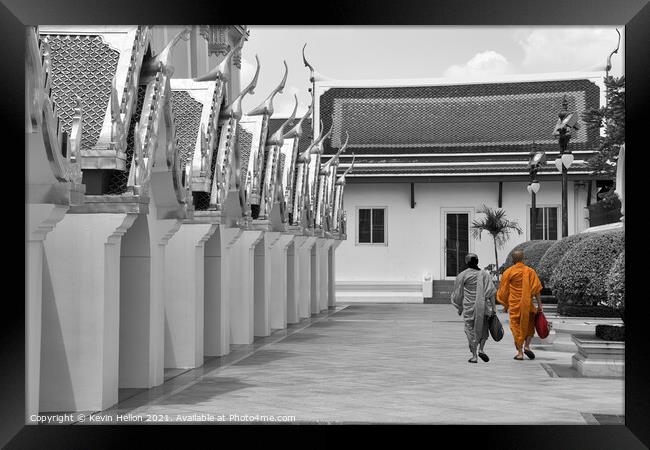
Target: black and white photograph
(326, 225)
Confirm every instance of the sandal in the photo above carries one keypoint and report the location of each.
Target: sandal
(472, 360)
(529, 353)
(483, 356)
(519, 359)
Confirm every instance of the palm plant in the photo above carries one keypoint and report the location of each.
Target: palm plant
(497, 225)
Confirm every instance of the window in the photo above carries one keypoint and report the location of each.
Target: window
(371, 228)
(546, 223)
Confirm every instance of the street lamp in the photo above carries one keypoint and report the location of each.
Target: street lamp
(537, 158)
(566, 123)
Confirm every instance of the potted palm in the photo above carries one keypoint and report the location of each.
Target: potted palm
(498, 226)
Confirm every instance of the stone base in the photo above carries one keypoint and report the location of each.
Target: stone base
(599, 358)
(566, 327)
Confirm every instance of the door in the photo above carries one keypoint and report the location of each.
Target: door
(456, 242)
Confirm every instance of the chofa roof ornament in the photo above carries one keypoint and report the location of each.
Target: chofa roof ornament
(314, 148)
(296, 131)
(314, 75)
(335, 159)
(341, 179)
(278, 137)
(234, 109)
(161, 60)
(222, 71)
(266, 108)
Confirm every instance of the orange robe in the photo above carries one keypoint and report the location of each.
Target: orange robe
(516, 290)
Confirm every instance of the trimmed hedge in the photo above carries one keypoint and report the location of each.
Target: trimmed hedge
(610, 332)
(616, 284)
(523, 246)
(554, 254)
(586, 311)
(581, 276)
(534, 253)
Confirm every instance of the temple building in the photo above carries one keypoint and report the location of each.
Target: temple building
(429, 153)
(164, 223)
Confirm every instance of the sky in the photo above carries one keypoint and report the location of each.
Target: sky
(399, 52)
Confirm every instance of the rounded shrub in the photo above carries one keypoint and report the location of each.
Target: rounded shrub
(616, 284)
(554, 254)
(533, 253)
(580, 278)
(523, 246)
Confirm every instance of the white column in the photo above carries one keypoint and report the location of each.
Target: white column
(80, 334)
(243, 274)
(218, 279)
(322, 269)
(332, 273)
(265, 271)
(41, 219)
(184, 291)
(292, 282)
(296, 307)
(306, 282)
(279, 280)
(160, 232)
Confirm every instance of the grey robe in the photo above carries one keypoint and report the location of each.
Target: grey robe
(474, 295)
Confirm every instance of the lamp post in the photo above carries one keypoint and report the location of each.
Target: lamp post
(567, 122)
(536, 159)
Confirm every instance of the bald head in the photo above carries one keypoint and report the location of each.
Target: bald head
(517, 256)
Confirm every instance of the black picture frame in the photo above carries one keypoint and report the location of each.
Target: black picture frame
(634, 14)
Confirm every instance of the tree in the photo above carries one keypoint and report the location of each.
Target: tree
(611, 117)
(497, 225)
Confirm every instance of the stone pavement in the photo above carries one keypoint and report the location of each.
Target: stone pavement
(382, 363)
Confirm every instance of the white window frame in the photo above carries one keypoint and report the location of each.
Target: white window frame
(470, 211)
(529, 229)
(385, 243)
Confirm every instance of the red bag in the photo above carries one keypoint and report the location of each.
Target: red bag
(541, 325)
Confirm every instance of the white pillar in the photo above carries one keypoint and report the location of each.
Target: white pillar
(218, 279)
(243, 274)
(160, 232)
(331, 299)
(280, 280)
(322, 270)
(80, 334)
(41, 219)
(296, 309)
(292, 281)
(184, 291)
(305, 277)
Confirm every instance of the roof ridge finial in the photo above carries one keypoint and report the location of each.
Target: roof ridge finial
(154, 64)
(609, 58)
(266, 108)
(234, 109)
(222, 70)
(278, 137)
(296, 131)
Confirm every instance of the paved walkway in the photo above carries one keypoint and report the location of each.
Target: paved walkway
(382, 363)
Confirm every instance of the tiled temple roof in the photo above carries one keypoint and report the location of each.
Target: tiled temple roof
(469, 130)
(305, 140)
(187, 120)
(82, 65)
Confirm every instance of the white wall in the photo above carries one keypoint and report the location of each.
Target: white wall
(413, 236)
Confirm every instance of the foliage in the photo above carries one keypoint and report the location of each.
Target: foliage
(554, 254)
(586, 311)
(497, 225)
(533, 252)
(523, 246)
(610, 332)
(580, 277)
(616, 284)
(612, 118)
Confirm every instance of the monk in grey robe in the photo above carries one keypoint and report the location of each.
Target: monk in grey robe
(474, 297)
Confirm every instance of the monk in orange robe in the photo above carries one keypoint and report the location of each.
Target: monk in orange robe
(518, 287)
